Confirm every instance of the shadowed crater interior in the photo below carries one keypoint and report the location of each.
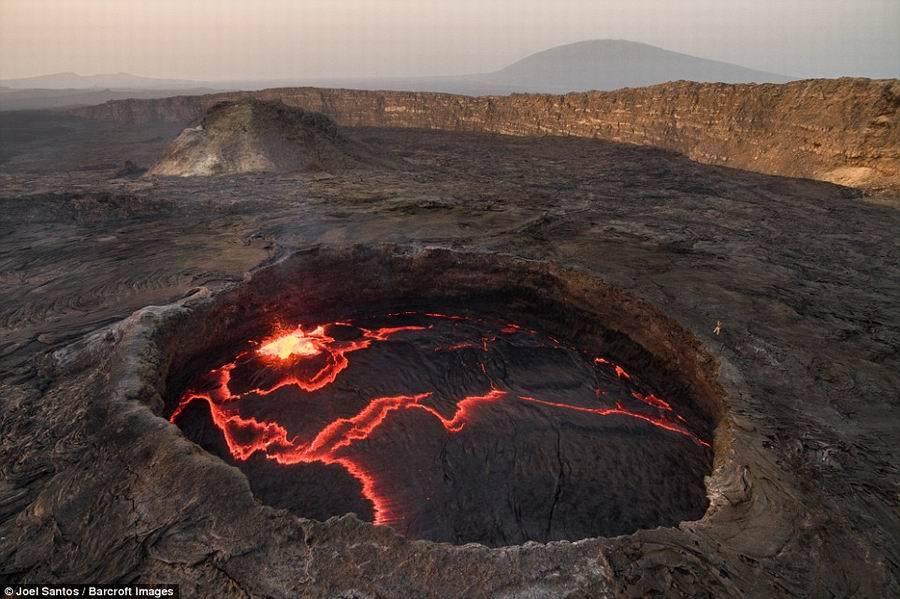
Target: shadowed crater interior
(456, 398)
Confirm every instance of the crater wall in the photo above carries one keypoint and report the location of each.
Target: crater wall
(839, 130)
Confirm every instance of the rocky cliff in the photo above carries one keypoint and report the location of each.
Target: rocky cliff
(845, 131)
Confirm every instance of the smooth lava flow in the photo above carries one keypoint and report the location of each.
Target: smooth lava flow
(450, 427)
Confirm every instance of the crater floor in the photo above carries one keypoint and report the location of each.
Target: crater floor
(791, 285)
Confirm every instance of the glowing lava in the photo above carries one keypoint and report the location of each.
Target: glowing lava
(620, 410)
(309, 360)
(295, 343)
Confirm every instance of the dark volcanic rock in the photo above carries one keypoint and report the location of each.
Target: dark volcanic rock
(130, 170)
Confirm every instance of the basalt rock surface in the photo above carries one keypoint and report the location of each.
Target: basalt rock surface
(845, 131)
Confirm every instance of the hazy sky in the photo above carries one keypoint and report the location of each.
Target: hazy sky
(225, 39)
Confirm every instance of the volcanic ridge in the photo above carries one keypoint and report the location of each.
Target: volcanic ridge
(251, 136)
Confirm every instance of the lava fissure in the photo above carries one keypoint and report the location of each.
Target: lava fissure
(309, 360)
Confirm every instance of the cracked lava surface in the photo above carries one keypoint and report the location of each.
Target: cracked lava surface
(452, 428)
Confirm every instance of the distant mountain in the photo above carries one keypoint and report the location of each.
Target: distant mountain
(41, 99)
(71, 81)
(592, 65)
(614, 64)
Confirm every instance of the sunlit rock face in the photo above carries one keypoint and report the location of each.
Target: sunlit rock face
(250, 136)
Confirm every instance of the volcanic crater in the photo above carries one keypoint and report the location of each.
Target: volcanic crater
(455, 398)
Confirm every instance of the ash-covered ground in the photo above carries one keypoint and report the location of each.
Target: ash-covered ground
(798, 279)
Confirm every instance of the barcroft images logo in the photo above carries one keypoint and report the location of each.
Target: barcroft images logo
(152, 591)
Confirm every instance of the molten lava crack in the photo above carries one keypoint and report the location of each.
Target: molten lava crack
(310, 360)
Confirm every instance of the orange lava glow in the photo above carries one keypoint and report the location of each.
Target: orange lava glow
(295, 343)
(335, 353)
(310, 360)
(620, 410)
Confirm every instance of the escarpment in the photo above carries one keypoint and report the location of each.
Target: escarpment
(841, 130)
